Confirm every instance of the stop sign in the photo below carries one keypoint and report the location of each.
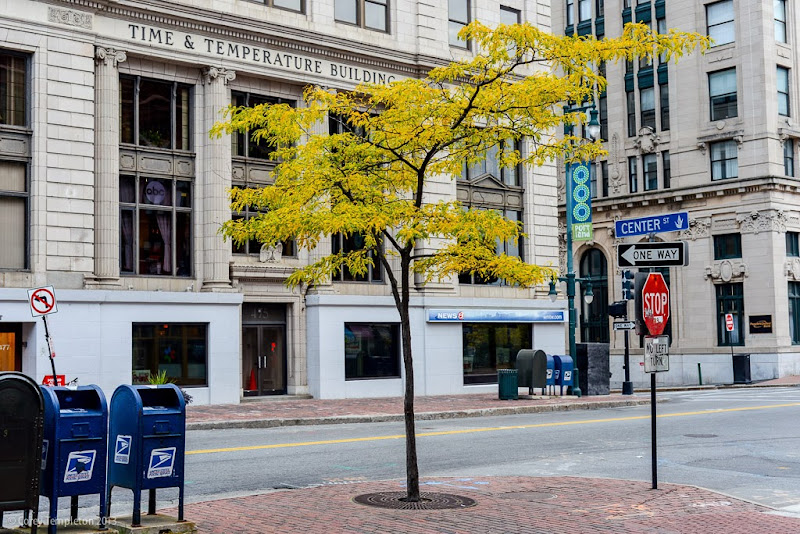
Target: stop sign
(655, 303)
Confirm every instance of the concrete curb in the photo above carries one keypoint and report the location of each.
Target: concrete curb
(424, 416)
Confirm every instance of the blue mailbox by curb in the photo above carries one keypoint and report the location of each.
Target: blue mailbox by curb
(550, 372)
(74, 447)
(147, 443)
(563, 371)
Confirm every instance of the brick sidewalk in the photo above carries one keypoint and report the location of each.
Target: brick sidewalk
(505, 505)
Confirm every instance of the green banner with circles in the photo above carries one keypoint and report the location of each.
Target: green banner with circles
(580, 208)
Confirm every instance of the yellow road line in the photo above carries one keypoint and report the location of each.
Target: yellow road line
(486, 429)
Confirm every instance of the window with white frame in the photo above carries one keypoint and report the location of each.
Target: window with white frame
(458, 17)
(509, 15)
(291, 5)
(720, 20)
(783, 91)
(570, 11)
(648, 107)
(788, 157)
(650, 164)
(371, 14)
(584, 10)
(633, 179)
(722, 94)
(724, 160)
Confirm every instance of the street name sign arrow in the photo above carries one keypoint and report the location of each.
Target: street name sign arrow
(652, 254)
(670, 222)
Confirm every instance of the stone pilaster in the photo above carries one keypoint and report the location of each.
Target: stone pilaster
(216, 180)
(106, 165)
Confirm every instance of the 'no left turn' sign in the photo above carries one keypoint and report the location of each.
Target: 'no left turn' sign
(42, 300)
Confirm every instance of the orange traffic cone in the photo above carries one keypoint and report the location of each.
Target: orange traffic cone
(252, 385)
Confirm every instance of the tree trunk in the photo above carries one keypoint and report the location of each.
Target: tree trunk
(412, 471)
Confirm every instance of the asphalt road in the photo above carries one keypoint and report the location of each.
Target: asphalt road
(742, 442)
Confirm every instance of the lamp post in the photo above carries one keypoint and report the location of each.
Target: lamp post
(593, 130)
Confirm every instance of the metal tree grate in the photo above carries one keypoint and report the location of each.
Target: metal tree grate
(428, 501)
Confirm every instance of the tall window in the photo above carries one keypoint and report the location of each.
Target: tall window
(648, 107)
(599, 8)
(155, 113)
(650, 164)
(783, 91)
(179, 349)
(292, 5)
(458, 13)
(730, 299)
(570, 12)
(724, 160)
(341, 243)
(788, 157)
(594, 316)
(156, 226)
(780, 20)
(633, 181)
(661, 27)
(509, 15)
(667, 169)
(252, 247)
(242, 142)
(491, 166)
(508, 248)
(604, 176)
(720, 22)
(14, 187)
(593, 180)
(631, 107)
(372, 14)
(663, 94)
(727, 246)
(794, 312)
(584, 10)
(603, 112)
(371, 350)
(722, 92)
(792, 244)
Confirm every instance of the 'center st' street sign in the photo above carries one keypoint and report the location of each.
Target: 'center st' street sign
(652, 254)
(671, 222)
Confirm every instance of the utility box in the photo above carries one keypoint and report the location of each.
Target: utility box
(535, 369)
(74, 448)
(563, 371)
(594, 367)
(21, 427)
(147, 443)
(741, 368)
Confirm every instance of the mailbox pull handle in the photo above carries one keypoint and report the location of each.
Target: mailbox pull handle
(80, 430)
(161, 427)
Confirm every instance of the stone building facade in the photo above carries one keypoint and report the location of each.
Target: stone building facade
(112, 192)
(714, 135)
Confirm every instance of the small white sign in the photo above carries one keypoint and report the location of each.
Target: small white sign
(80, 465)
(656, 354)
(162, 462)
(122, 450)
(624, 325)
(42, 301)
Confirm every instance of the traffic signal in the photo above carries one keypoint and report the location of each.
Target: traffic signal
(627, 284)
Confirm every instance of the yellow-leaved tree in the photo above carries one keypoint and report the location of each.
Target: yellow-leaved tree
(373, 179)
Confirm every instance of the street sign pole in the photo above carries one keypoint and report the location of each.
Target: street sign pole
(654, 458)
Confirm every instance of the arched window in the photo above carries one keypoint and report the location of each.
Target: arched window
(594, 317)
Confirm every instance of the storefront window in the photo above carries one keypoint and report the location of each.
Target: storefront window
(489, 347)
(371, 350)
(180, 350)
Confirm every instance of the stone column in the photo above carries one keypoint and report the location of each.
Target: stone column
(216, 180)
(106, 165)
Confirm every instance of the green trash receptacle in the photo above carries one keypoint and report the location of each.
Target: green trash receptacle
(507, 384)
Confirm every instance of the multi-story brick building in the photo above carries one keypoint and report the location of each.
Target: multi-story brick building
(714, 135)
(112, 192)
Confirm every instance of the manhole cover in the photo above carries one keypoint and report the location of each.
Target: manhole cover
(700, 435)
(428, 501)
(530, 496)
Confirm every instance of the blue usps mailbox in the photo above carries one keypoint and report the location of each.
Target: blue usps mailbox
(74, 447)
(563, 371)
(147, 443)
